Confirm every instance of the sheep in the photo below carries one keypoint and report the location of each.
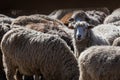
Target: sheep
(113, 18)
(116, 42)
(3, 30)
(5, 22)
(100, 63)
(32, 52)
(47, 25)
(85, 35)
(93, 16)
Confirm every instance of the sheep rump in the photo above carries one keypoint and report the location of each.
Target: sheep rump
(33, 52)
(100, 63)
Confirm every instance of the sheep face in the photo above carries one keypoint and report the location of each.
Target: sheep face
(81, 30)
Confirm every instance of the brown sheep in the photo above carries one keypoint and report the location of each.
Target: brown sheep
(45, 24)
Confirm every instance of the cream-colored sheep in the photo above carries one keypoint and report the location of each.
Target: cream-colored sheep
(100, 63)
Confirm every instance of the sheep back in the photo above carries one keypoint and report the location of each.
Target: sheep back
(105, 34)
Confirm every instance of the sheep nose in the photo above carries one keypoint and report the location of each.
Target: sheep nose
(79, 37)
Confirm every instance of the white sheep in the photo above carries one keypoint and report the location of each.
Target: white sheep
(32, 52)
(85, 35)
(100, 63)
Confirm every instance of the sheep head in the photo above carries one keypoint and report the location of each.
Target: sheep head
(81, 30)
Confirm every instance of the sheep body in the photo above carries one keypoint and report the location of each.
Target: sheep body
(33, 52)
(107, 32)
(100, 63)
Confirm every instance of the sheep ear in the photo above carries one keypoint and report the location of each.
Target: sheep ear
(90, 27)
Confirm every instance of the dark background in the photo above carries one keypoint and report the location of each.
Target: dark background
(47, 6)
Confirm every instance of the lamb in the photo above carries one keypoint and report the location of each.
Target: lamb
(32, 52)
(113, 18)
(85, 35)
(47, 25)
(100, 63)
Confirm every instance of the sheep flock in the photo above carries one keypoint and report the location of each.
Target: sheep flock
(67, 44)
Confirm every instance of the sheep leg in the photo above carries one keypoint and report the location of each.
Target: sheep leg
(10, 74)
(28, 77)
(18, 75)
(36, 77)
(10, 69)
(85, 76)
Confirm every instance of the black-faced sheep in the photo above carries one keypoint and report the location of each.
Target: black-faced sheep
(32, 52)
(113, 18)
(47, 25)
(85, 35)
(100, 63)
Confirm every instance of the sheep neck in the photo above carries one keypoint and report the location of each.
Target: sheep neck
(79, 46)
